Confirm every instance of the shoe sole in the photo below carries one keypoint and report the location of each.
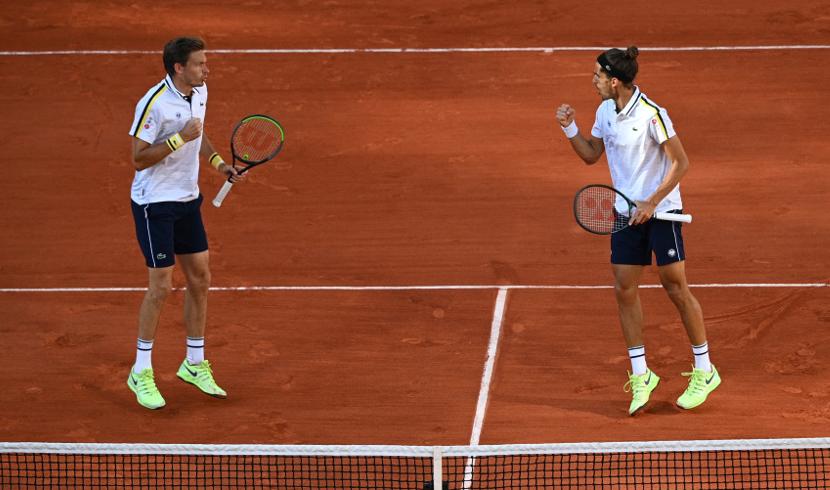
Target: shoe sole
(139, 400)
(644, 405)
(221, 397)
(702, 401)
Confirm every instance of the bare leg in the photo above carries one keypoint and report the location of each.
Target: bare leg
(160, 285)
(673, 278)
(627, 279)
(196, 268)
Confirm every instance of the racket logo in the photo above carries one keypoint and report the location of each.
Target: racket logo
(599, 209)
(258, 140)
(595, 210)
(254, 141)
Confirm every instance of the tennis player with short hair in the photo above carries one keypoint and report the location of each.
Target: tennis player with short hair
(167, 140)
(647, 161)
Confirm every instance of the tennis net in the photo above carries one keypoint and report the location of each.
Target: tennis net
(724, 464)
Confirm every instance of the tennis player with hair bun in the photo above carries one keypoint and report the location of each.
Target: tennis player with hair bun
(647, 161)
(167, 140)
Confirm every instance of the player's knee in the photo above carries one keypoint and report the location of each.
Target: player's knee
(159, 291)
(626, 293)
(678, 292)
(199, 281)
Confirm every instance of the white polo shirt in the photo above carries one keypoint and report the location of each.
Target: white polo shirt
(632, 140)
(161, 113)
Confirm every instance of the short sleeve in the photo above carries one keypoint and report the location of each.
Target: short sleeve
(660, 127)
(596, 131)
(147, 118)
(147, 126)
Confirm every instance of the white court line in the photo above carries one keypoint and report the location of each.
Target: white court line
(486, 377)
(446, 287)
(492, 350)
(540, 49)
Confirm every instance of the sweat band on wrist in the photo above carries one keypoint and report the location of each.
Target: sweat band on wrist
(216, 160)
(175, 142)
(571, 130)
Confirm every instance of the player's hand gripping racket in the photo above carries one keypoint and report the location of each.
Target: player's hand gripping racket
(594, 210)
(255, 140)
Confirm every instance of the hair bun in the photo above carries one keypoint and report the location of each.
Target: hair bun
(632, 52)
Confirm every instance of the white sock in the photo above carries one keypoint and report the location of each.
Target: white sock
(143, 356)
(637, 355)
(195, 350)
(701, 353)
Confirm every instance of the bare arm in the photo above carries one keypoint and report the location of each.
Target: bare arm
(590, 149)
(146, 155)
(224, 168)
(679, 166)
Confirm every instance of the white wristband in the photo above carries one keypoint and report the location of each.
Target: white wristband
(571, 130)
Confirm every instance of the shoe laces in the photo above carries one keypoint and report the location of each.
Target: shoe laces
(635, 384)
(146, 381)
(204, 370)
(697, 380)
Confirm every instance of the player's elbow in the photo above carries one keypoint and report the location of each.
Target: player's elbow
(592, 152)
(140, 163)
(682, 166)
(141, 154)
(590, 159)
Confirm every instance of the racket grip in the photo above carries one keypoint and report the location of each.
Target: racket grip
(684, 218)
(220, 196)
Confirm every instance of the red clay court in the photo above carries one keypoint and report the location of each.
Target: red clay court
(421, 205)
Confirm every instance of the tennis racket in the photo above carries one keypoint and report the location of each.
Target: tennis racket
(255, 140)
(595, 210)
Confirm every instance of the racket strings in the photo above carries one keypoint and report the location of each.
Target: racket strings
(257, 139)
(594, 209)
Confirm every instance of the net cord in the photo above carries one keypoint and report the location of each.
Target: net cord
(416, 451)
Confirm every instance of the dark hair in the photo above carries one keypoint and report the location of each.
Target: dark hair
(178, 51)
(620, 64)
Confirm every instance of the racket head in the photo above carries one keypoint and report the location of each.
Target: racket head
(256, 139)
(595, 210)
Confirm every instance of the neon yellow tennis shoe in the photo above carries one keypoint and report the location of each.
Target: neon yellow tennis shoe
(144, 386)
(640, 387)
(201, 375)
(701, 384)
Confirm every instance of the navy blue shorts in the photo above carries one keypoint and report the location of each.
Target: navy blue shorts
(634, 245)
(165, 229)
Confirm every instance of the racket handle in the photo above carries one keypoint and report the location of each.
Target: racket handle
(220, 196)
(684, 218)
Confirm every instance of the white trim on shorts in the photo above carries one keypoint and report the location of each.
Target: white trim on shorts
(149, 237)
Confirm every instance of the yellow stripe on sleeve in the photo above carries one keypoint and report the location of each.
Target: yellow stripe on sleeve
(146, 113)
(656, 113)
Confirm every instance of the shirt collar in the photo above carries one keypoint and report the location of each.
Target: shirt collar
(635, 96)
(172, 86)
